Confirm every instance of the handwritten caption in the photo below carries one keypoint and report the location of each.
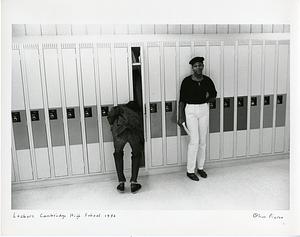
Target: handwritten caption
(63, 216)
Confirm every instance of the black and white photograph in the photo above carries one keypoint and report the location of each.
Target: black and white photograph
(107, 118)
(103, 111)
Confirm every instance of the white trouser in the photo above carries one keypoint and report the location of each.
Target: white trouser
(197, 116)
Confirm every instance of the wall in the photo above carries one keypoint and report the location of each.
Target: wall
(47, 30)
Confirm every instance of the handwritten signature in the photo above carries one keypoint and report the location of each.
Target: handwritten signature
(273, 216)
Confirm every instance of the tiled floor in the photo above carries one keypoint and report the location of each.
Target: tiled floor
(259, 185)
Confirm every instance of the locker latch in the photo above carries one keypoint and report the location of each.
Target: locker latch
(88, 112)
(266, 100)
(279, 99)
(35, 115)
(16, 118)
(240, 101)
(52, 114)
(168, 107)
(212, 105)
(104, 111)
(253, 101)
(153, 108)
(70, 113)
(226, 102)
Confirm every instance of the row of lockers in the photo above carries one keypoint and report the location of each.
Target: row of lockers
(91, 123)
(61, 90)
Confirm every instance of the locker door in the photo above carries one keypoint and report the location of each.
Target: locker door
(19, 121)
(256, 91)
(212, 67)
(76, 162)
(36, 97)
(281, 104)
(107, 94)
(170, 104)
(242, 102)
(185, 55)
(154, 77)
(52, 77)
(90, 107)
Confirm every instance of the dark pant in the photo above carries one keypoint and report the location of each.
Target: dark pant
(137, 148)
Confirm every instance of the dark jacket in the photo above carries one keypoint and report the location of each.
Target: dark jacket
(123, 119)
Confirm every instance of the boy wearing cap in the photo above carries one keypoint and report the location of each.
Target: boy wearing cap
(196, 91)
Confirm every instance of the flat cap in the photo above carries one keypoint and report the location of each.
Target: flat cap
(196, 59)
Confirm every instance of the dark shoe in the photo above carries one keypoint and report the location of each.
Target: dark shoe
(135, 187)
(121, 187)
(202, 173)
(192, 176)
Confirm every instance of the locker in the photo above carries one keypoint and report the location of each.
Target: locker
(88, 76)
(242, 76)
(105, 74)
(92, 138)
(268, 111)
(17, 99)
(254, 142)
(42, 163)
(154, 74)
(279, 139)
(269, 68)
(25, 165)
(242, 112)
(241, 143)
(156, 120)
(280, 110)
(172, 157)
(75, 140)
(70, 76)
(228, 114)
(60, 161)
(255, 112)
(171, 131)
(33, 78)
(228, 70)
(121, 67)
(228, 144)
(184, 58)
(170, 73)
(184, 145)
(214, 116)
(156, 152)
(21, 131)
(256, 72)
(52, 77)
(215, 65)
(58, 141)
(267, 140)
(40, 143)
(171, 118)
(283, 68)
(214, 146)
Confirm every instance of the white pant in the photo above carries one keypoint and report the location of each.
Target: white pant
(197, 116)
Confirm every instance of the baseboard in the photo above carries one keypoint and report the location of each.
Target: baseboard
(143, 172)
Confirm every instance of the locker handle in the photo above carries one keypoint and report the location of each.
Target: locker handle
(279, 99)
(35, 115)
(88, 112)
(16, 118)
(153, 108)
(52, 114)
(253, 101)
(168, 107)
(266, 100)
